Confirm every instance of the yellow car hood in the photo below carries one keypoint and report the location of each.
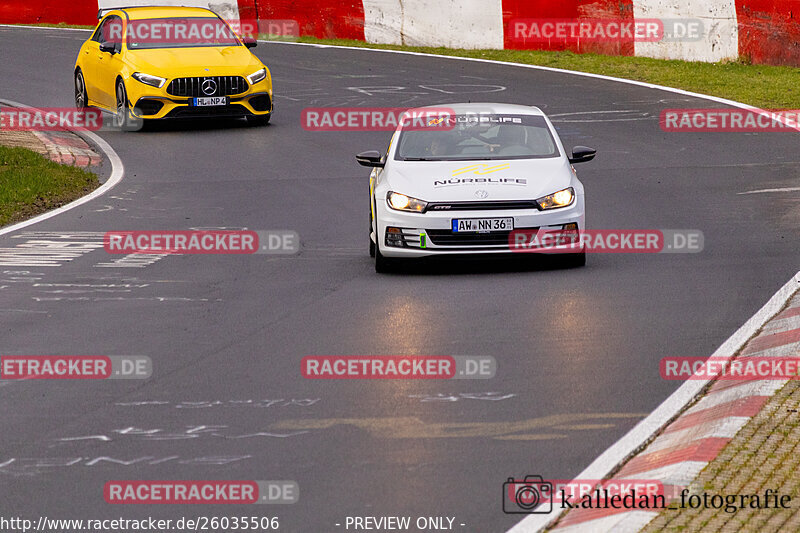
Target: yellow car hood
(184, 62)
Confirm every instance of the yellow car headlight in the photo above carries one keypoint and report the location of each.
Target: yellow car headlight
(257, 76)
(149, 79)
(562, 198)
(401, 202)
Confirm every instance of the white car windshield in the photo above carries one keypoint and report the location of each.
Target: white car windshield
(477, 137)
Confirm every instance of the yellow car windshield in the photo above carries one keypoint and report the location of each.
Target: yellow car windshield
(178, 33)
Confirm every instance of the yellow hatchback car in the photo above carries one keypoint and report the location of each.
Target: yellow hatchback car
(170, 62)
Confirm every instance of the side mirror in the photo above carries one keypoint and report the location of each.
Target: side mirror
(111, 48)
(582, 154)
(250, 42)
(372, 158)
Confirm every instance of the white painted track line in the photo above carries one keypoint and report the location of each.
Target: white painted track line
(17, 26)
(645, 84)
(117, 173)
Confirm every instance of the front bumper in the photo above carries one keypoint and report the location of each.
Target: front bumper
(153, 103)
(430, 234)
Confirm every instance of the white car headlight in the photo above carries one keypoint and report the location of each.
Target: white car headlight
(149, 79)
(562, 198)
(401, 202)
(256, 77)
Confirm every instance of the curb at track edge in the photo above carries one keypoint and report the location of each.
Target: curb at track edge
(117, 173)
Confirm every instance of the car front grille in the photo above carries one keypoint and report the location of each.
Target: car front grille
(483, 206)
(445, 237)
(410, 238)
(234, 110)
(193, 87)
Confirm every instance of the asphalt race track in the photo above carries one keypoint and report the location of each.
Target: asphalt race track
(577, 350)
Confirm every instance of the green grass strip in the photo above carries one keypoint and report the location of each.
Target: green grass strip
(31, 184)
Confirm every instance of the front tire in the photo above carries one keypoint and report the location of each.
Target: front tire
(123, 119)
(573, 260)
(371, 242)
(81, 97)
(383, 265)
(258, 120)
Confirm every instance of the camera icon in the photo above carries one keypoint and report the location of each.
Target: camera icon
(523, 497)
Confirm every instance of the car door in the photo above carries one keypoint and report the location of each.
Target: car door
(89, 55)
(108, 64)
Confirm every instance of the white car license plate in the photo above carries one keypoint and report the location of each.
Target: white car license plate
(479, 225)
(211, 101)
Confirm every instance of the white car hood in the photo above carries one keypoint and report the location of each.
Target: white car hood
(463, 181)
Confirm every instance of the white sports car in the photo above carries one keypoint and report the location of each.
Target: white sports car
(463, 184)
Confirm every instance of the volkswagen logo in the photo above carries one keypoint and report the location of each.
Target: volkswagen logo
(208, 87)
(481, 194)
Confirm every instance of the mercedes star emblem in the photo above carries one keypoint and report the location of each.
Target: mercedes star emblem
(209, 87)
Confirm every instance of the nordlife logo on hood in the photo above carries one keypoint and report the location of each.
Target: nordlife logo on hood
(483, 118)
(479, 170)
(476, 181)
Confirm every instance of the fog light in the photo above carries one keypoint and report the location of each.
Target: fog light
(570, 233)
(394, 237)
(261, 102)
(148, 107)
